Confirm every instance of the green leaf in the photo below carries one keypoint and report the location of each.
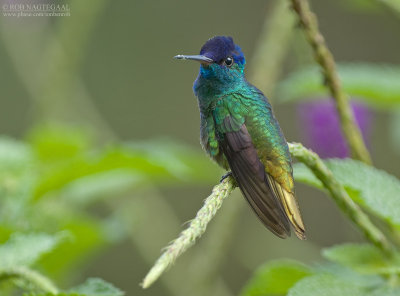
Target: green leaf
(331, 285)
(14, 154)
(58, 142)
(303, 174)
(88, 238)
(326, 285)
(97, 287)
(182, 164)
(68, 155)
(363, 258)
(113, 158)
(156, 161)
(374, 189)
(182, 161)
(28, 279)
(16, 160)
(17, 177)
(26, 249)
(92, 287)
(89, 189)
(378, 85)
(348, 274)
(275, 278)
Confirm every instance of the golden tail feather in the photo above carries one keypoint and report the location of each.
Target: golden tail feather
(290, 206)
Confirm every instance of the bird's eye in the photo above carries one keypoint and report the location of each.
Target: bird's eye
(228, 61)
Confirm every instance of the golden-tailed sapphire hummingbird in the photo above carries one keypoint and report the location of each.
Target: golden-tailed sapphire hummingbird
(239, 131)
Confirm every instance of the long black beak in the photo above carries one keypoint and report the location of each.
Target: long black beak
(200, 58)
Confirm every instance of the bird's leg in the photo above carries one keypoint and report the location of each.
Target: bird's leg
(228, 174)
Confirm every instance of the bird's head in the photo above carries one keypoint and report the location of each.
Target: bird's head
(221, 59)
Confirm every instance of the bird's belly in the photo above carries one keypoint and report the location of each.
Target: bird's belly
(210, 145)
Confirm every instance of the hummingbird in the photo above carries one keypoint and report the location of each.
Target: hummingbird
(240, 132)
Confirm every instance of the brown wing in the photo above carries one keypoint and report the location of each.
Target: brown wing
(250, 175)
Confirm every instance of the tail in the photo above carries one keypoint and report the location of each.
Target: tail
(290, 206)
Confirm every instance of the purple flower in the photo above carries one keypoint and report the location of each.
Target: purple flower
(321, 129)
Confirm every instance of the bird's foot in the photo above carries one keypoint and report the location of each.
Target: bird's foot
(228, 174)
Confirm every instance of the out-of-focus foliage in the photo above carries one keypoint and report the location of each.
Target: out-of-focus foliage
(373, 189)
(15, 253)
(66, 157)
(47, 185)
(377, 85)
(92, 287)
(356, 269)
(329, 285)
(276, 278)
(363, 258)
(24, 250)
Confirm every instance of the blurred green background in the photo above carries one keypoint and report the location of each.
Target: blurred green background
(107, 71)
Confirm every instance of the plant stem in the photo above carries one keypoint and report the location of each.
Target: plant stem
(325, 59)
(196, 228)
(340, 196)
(30, 276)
(272, 47)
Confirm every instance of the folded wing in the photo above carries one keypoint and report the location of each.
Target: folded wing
(252, 179)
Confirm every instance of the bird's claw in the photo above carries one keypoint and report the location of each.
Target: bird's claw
(228, 174)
